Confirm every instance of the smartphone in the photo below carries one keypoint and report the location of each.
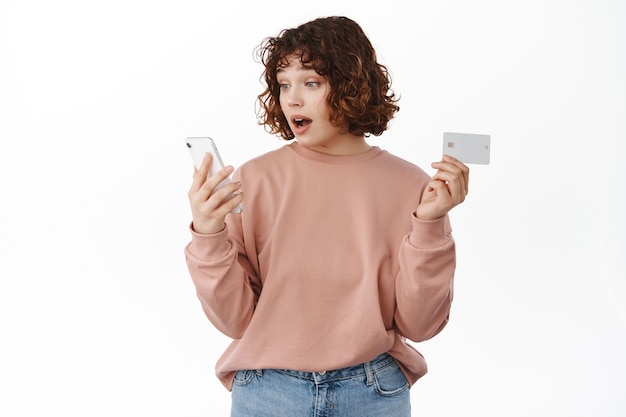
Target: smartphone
(198, 147)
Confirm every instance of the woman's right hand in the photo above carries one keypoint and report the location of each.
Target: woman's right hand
(209, 207)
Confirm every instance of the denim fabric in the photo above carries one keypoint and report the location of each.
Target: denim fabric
(374, 389)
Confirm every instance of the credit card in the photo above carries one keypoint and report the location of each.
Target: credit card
(469, 148)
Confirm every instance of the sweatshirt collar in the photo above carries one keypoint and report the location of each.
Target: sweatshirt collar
(334, 159)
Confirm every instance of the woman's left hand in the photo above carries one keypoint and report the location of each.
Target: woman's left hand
(446, 189)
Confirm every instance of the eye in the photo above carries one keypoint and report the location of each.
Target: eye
(283, 86)
(312, 84)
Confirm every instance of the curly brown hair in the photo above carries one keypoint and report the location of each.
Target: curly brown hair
(335, 47)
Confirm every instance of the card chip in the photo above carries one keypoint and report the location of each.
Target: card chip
(450, 144)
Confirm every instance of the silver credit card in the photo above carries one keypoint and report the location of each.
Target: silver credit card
(468, 148)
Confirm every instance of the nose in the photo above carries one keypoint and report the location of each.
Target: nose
(293, 97)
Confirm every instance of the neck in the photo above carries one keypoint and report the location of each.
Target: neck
(347, 145)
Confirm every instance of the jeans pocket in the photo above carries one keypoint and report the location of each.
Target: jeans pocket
(243, 377)
(390, 381)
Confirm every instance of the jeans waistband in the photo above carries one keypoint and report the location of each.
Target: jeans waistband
(367, 368)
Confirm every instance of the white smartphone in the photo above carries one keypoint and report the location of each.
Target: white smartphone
(468, 148)
(198, 148)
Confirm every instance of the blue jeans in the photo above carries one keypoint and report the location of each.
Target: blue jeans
(374, 389)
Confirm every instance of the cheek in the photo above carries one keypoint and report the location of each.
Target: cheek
(323, 106)
(323, 109)
(281, 102)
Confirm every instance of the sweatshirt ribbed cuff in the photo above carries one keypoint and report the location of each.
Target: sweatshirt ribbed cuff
(427, 234)
(209, 248)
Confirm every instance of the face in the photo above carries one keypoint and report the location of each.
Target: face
(303, 95)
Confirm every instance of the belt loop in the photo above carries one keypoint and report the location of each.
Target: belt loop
(369, 372)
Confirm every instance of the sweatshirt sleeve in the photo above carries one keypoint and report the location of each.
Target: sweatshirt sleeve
(226, 287)
(424, 286)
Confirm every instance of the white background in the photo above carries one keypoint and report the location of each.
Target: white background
(98, 316)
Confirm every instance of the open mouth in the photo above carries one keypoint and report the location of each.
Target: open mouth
(300, 122)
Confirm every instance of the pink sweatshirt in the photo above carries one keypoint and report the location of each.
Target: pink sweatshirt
(327, 266)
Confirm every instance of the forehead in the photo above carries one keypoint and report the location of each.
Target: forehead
(293, 64)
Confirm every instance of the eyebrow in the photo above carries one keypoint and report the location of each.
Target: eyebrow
(299, 68)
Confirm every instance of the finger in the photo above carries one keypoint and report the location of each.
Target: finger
(447, 176)
(449, 166)
(226, 204)
(200, 174)
(454, 167)
(454, 183)
(438, 195)
(213, 181)
(218, 204)
(230, 204)
(451, 159)
(225, 193)
(460, 165)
